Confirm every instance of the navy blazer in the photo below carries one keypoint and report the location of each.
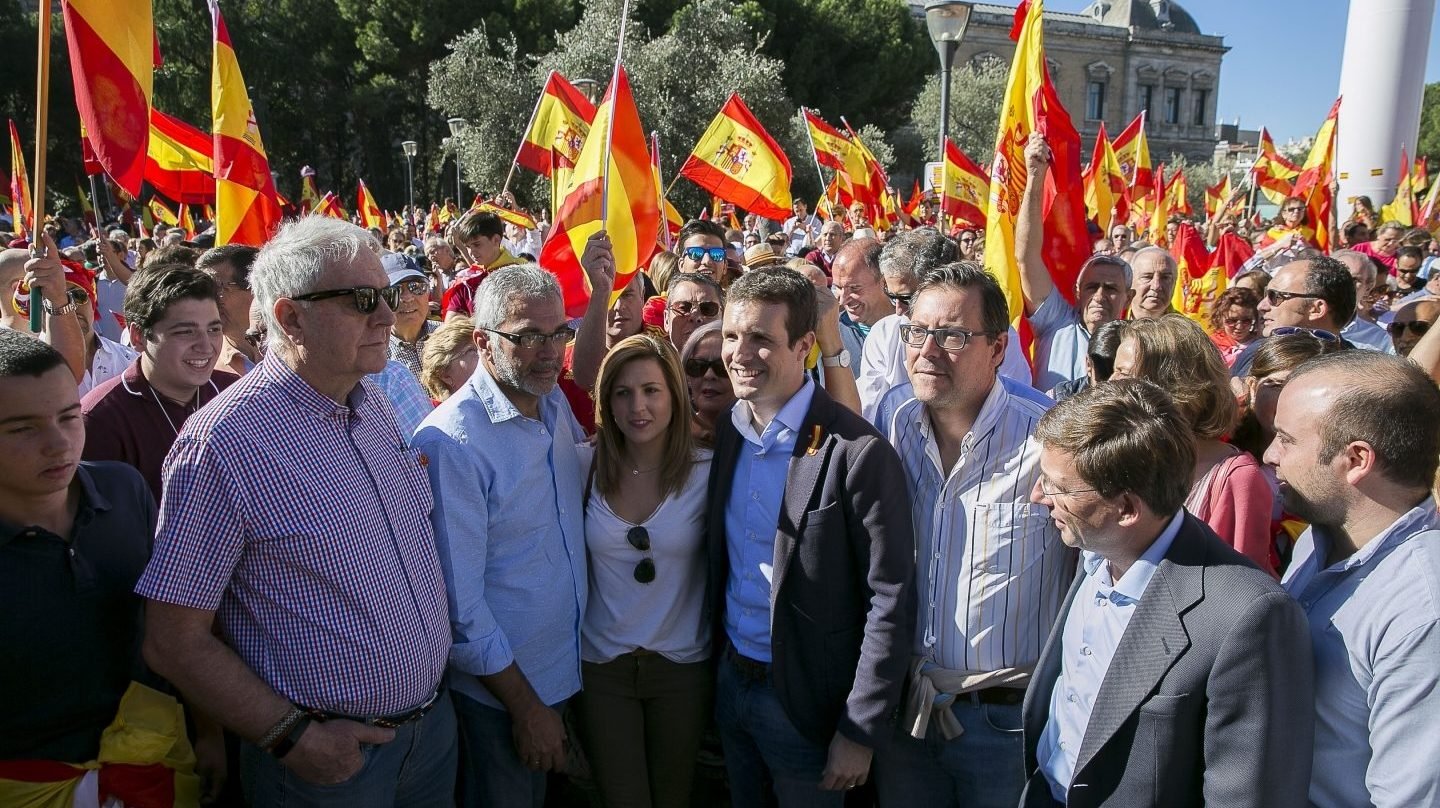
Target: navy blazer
(842, 611)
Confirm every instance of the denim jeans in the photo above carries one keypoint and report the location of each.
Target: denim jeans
(491, 772)
(766, 757)
(983, 768)
(415, 770)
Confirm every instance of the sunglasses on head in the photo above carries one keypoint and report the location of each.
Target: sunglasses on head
(1417, 327)
(695, 368)
(697, 254)
(1318, 333)
(707, 308)
(639, 538)
(365, 298)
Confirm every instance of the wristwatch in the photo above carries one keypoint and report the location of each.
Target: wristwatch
(68, 308)
(840, 360)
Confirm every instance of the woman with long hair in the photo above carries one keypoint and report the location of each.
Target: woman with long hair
(1229, 491)
(647, 682)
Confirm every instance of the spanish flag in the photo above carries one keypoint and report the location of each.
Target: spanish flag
(309, 194)
(1215, 197)
(162, 213)
(872, 189)
(1159, 210)
(1318, 174)
(1429, 212)
(1199, 280)
(247, 211)
(738, 161)
(611, 188)
(837, 151)
(1420, 175)
(1273, 174)
(559, 124)
(112, 61)
(180, 160)
(329, 205)
(1104, 184)
(1402, 207)
(514, 217)
(368, 208)
(1177, 195)
(187, 223)
(966, 195)
(1132, 152)
(21, 211)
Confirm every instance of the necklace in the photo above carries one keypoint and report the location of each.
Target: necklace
(166, 413)
(635, 472)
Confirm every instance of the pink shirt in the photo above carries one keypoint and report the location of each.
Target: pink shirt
(1237, 502)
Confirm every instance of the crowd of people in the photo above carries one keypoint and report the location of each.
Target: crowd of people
(389, 528)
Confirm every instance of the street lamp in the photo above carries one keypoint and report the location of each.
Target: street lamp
(947, 21)
(590, 87)
(410, 148)
(457, 125)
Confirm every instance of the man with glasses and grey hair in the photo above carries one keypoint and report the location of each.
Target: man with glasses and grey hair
(1102, 288)
(510, 527)
(296, 522)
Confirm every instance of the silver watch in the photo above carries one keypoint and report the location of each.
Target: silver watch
(68, 308)
(840, 360)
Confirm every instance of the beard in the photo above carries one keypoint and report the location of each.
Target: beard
(1323, 511)
(508, 371)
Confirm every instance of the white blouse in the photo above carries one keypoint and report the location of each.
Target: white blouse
(664, 615)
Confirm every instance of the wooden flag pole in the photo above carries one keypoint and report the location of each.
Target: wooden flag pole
(42, 112)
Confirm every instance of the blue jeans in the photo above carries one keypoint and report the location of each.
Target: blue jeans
(491, 772)
(983, 768)
(766, 757)
(416, 769)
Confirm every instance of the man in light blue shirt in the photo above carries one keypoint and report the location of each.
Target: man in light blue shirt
(1178, 673)
(1355, 451)
(1361, 332)
(509, 526)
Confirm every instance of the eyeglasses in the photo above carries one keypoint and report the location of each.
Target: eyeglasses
(967, 240)
(949, 339)
(684, 308)
(1056, 493)
(695, 368)
(413, 287)
(1318, 333)
(256, 337)
(532, 341)
(902, 300)
(1276, 297)
(639, 538)
(697, 254)
(1417, 327)
(1245, 321)
(367, 298)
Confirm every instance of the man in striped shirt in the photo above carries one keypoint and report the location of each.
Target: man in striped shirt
(991, 567)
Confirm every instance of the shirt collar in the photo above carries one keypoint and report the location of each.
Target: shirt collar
(90, 500)
(134, 381)
(497, 405)
(278, 372)
(1418, 519)
(1132, 585)
(791, 416)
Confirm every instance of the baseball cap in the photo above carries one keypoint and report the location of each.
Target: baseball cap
(399, 266)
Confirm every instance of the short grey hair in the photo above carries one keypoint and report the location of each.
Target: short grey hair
(1101, 259)
(908, 256)
(511, 286)
(1360, 263)
(1160, 251)
(291, 262)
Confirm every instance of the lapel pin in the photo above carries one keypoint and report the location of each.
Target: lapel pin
(814, 441)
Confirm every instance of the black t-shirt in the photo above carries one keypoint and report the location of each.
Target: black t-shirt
(70, 621)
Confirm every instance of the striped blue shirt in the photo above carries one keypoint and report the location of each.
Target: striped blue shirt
(992, 568)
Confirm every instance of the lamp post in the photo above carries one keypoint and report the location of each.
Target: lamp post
(457, 125)
(590, 87)
(410, 148)
(947, 21)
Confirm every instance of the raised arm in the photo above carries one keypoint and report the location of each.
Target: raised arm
(598, 262)
(1035, 284)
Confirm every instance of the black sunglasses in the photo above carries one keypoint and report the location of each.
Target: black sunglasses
(903, 300)
(1417, 327)
(695, 368)
(697, 254)
(1276, 297)
(366, 298)
(639, 538)
(532, 341)
(707, 308)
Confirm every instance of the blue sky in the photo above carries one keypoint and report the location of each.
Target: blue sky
(1283, 68)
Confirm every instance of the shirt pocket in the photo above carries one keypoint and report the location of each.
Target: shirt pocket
(1009, 537)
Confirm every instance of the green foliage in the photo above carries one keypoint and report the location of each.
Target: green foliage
(1198, 177)
(976, 93)
(1429, 144)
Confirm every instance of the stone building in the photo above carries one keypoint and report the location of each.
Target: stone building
(1113, 60)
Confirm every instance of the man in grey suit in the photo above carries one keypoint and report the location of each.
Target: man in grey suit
(811, 563)
(1178, 673)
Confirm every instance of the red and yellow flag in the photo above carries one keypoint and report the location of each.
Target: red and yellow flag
(1177, 195)
(180, 160)
(246, 209)
(837, 151)
(1273, 174)
(1199, 279)
(368, 208)
(329, 205)
(1132, 152)
(309, 194)
(966, 195)
(87, 211)
(112, 61)
(612, 187)
(559, 125)
(1430, 209)
(1402, 208)
(1159, 210)
(1215, 197)
(1104, 184)
(870, 192)
(738, 161)
(187, 223)
(1420, 175)
(162, 213)
(1318, 174)
(22, 213)
(514, 217)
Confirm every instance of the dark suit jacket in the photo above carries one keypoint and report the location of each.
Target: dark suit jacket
(1209, 699)
(841, 600)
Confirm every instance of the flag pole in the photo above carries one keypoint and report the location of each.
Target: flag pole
(944, 187)
(513, 163)
(610, 125)
(824, 186)
(95, 202)
(42, 113)
(664, 220)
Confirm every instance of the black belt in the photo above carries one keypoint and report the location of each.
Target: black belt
(749, 669)
(384, 721)
(996, 695)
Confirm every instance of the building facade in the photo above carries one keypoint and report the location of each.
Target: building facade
(1115, 59)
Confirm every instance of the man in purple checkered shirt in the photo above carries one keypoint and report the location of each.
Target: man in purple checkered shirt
(295, 518)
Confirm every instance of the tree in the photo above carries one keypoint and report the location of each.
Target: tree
(976, 92)
(1428, 145)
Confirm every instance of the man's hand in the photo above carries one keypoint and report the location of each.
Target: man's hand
(46, 273)
(328, 752)
(598, 261)
(540, 738)
(1037, 155)
(827, 325)
(210, 761)
(847, 766)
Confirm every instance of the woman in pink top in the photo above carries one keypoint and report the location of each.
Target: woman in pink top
(1228, 491)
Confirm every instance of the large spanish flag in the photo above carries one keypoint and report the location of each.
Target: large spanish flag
(834, 149)
(611, 188)
(180, 160)
(21, 211)
(112, 62)
(1318, 174)
(368, 208)
(1031, 105)
(246, 209)
(738, 161)
(1199, 280)
(1104, 184)
(966, 195)
(1132, 152)
(559, 124)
